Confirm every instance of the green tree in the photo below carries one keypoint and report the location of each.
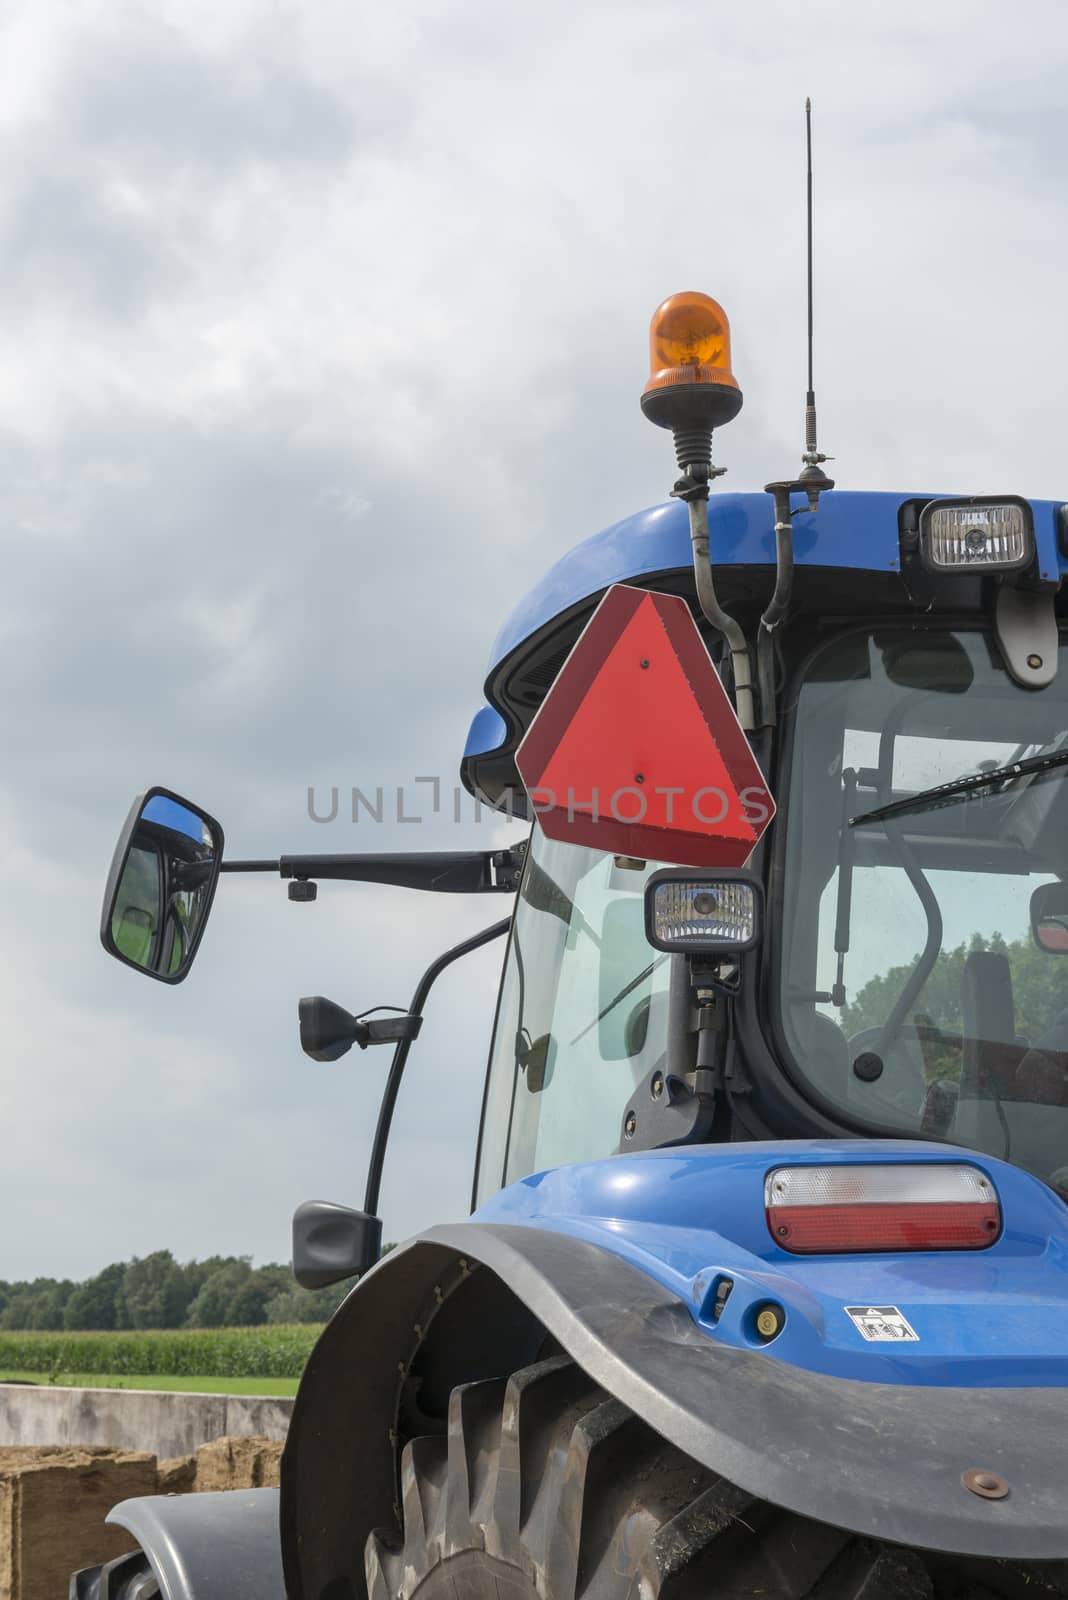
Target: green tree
(98, 1302)
(248, 1308)
(36, 1305)
(213, 1306)
(51, 1304)
(18, 1312)
(1039, 986)
(155, 1292)
(197, 1273)
(306, 1305)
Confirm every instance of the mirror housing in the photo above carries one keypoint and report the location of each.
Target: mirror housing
(332, 1242)
(1049, 918)
(161, 885)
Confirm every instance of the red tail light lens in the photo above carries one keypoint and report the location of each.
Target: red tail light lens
(828, 1210)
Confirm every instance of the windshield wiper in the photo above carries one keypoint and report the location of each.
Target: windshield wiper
(963, 788)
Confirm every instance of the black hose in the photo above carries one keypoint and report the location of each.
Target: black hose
(775, 609)
(715, 614)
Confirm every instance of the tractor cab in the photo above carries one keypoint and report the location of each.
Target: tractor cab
(897, 663)
(911, 977)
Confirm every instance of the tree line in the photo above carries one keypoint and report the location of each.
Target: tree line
(156, 1291)
(1039, 988)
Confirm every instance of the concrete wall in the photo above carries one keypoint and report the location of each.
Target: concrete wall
(163, 1423)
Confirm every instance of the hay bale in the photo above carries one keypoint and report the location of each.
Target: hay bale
(53, 1501)
(238, 1464)
(176, 1475)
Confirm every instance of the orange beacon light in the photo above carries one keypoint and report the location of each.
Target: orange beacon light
(691, 384)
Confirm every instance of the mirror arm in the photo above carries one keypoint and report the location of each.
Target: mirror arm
(400, 1054)
(444, 871)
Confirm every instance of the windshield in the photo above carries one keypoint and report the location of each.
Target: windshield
(912, 992)
(582, 1016)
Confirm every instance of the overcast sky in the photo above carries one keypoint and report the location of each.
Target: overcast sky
(323, 327)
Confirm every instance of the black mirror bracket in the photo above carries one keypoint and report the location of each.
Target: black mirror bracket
(328, 1031)
(442, 872)
(331, 1242)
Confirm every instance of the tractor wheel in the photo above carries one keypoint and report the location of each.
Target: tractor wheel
(129, 1577)
(546, 1488)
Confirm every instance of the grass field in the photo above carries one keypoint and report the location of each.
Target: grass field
(190, 1385)
(197, 1354)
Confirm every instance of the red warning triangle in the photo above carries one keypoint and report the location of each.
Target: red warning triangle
(636, 749)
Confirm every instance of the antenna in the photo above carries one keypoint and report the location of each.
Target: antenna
(813, 478)
(810, 404)
(810, 481)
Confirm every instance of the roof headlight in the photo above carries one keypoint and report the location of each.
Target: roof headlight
(985, 533)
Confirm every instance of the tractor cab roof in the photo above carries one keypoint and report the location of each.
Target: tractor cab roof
(854, 554)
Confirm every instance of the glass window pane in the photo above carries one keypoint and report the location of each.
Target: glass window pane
(582, 1016)
(908, 941)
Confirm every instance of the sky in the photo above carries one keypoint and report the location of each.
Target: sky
(323, 333)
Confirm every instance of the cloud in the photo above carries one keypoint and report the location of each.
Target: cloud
(324, 330)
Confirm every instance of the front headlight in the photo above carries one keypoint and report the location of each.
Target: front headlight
(985, 533)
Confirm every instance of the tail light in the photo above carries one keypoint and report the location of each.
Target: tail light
(827, 1210)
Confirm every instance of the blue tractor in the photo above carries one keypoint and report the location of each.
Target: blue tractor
(765, 1287)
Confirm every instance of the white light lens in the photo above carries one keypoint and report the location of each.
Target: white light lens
(704, 913)
(977, 536)
(929, 1184)
(854, 1209)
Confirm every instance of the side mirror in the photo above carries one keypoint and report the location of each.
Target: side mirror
(332, 1242)
(1049, 917)
(161, 885)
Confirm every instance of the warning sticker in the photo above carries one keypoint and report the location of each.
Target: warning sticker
(881, 1322)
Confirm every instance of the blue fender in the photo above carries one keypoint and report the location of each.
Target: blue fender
(478, 1299)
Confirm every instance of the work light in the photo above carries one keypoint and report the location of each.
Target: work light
(981, 534)
(702, 914)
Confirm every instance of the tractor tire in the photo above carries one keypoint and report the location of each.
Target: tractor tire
(546, 1488)
(129, 1577)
